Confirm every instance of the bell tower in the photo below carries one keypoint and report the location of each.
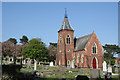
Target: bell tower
(65, 44)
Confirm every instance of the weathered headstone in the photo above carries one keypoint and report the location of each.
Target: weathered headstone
(95, 73)
(8, 60)
(28, 63)
(51, 63)
(104, 66)
(35, 64)
(68, 67)
(16, 61)
(54, 62)
(109, 69)
(72, 64)
(24, 61)
(12, 59)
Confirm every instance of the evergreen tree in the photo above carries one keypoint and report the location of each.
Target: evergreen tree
(24, 40)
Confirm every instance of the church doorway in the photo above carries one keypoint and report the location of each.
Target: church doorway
(94, 64)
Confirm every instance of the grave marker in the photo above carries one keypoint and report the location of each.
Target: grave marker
(35, 64)
(51, 63)
(109, 69)
(95, 73)
(72, 64)
(104, 66)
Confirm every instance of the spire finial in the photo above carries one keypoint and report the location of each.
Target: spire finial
(65, 12)
(93, 31)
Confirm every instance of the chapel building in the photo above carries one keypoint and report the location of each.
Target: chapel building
(83, 52)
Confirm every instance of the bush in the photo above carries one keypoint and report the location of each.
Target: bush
(10, 71)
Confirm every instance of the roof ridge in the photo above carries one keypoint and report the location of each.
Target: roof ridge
(84, 36)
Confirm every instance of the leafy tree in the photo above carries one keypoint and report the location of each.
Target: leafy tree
(13, 40)
(52, 51)
(110, 51)
(8, 48)
(24, 40)
(35, 50)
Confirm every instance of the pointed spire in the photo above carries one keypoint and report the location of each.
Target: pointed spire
(93, 31)
(65, 23)
(65, 12)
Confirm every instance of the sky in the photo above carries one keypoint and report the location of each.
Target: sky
(44, 19)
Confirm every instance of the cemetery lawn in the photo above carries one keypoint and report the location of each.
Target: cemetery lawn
(54, 72)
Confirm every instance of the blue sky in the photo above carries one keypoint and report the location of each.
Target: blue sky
(43, 20)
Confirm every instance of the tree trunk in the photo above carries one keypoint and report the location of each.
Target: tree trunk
(14, 59)
(21, 62)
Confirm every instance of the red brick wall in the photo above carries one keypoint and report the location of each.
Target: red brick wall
(88, 56)
(100, 50)
(64, 47)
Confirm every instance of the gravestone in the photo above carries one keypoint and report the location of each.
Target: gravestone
(12, 59)
(104, 66)
(8, 60)
(109, 69)
(68, 67)
(35, 64)
(72, 64)
(51, 63)
(16, 61)
(95, 73)
(24, 61)
(28, 63)
(54, 62)
(39, 63)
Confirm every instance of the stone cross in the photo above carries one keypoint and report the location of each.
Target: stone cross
(104, 66)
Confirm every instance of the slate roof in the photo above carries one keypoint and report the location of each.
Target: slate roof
(80, 43)
(65, 25)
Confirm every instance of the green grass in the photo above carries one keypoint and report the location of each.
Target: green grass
(59, 74)
(28, 70)
(115, 76)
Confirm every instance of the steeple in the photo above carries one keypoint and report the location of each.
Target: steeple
(93, 31)
(66, 13)
(65, 23)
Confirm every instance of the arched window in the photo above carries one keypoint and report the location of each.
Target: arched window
(94, 49)
(68, 39)
(60, 41)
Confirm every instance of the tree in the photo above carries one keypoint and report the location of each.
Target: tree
(35, 50)
(52, 51)
(8, 48)
(13, 40)
(110, 51)
(24, 39)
